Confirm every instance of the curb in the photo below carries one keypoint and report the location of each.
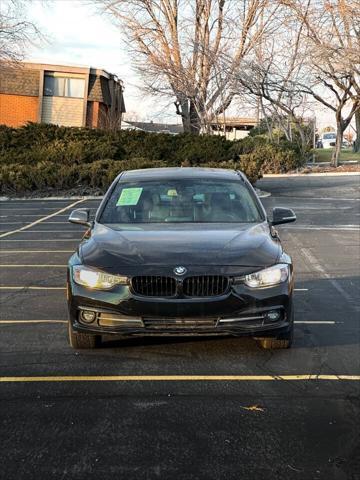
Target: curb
(9, 199)
(318, 174)
(262, 193)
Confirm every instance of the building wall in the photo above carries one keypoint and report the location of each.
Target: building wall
(233, 134)
(92, 115)
(16, 110)
(22, 97)
(65, 111)
(19, 81)
(99, 89)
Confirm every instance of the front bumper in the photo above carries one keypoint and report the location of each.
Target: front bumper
(241, 312)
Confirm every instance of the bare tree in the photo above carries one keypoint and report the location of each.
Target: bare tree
(16, 32)
(274, 74)
(332, 35)
(176, 46)
(357, 125)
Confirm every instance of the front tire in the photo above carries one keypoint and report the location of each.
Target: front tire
(282, 341)
(274, 343)
(81, 341)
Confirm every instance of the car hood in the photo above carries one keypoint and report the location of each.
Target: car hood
(245, 245)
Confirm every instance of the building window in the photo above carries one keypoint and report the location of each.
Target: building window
(63, 87)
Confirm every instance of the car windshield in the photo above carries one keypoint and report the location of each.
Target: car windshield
(180, 201)
(329, 136)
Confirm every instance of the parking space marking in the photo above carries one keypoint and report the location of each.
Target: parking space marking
(320, 322)
(35, 251)
(38, 208)
(41, 240)
(28, 208)
(178, 378)
(50, 231)
(32, 266)
(27, 215)
(44, 223)
(317, 266)
(337, 199)
(31, 288)
(42, 219)
(345, 228)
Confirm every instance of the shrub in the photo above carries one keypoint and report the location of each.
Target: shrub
(39, 156)
(269, 158)
(247, 145)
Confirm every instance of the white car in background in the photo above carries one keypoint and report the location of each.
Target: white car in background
(327, 140)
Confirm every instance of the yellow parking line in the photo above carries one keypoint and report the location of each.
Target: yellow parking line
(178, 378)
(14, 322)
(42, 219)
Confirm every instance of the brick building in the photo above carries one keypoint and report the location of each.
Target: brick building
(62, 95)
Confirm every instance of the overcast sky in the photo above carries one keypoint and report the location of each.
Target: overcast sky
(78, 35)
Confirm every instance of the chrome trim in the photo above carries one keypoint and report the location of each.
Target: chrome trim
(228, 320)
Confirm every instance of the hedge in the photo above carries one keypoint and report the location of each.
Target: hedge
(39, 157)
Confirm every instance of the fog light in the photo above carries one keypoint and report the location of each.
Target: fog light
(87, 316)
(273, 316)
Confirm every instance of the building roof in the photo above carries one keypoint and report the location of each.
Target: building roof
(234, 121)
(157, 127)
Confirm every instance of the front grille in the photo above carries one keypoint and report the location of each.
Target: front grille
(179, 323)
(205, 286)
(154, 286)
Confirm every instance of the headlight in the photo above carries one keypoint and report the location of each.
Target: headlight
(270, 276)
(92, 278)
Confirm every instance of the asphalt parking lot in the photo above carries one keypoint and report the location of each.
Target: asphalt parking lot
(203, 408)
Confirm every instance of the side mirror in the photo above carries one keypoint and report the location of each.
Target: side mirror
(81, 217)
(282, 215)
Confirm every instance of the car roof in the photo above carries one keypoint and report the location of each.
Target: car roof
(180, 172)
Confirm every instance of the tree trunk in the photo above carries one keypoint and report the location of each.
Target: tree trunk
(189, 116)
(357, 124)
(338, 143)
(182, 108)
(303, 139)
(195, 124)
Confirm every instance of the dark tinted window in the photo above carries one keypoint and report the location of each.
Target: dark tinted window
(184, 200)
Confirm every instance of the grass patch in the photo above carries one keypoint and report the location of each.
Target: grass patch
(346, 155)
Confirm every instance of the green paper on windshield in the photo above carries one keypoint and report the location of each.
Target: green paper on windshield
(129, 196)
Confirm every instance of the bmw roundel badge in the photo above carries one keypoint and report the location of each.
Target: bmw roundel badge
(180, 270)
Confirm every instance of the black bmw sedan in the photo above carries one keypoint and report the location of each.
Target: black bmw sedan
(181, 251)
